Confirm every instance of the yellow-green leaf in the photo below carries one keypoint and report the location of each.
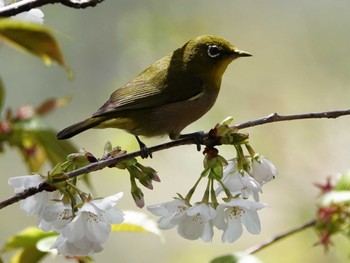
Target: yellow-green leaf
(137, 222)
(56, 150)
(237, 257)
(34, 134)
(343, 182)
(28, 237)
(27, 255)
(126, 227)
(32, 38)
(225, 259)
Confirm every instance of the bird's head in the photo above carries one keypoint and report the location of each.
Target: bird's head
(210, 55)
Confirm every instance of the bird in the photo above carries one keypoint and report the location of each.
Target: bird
(166, 97)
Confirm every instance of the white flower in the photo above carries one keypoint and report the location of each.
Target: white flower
(237, 212)
(56, 216)
(192, 222)
(80, 248)
(171, 213)
(52, 214)
(263, 170)
(335, 197)
(89, 228)
(35, 204)
(239, 183)
(197, 222)
(20, 183)
(34, 15)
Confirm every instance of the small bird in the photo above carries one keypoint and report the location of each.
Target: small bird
(167, 96)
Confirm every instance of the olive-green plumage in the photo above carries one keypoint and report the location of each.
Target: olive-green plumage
(169, 95)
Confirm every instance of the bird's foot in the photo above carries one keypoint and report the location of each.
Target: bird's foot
(197, 136)
(145, 152)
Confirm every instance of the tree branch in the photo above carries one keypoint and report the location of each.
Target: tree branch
(26, 5)
(273, 240)
(80, 4)
(275, 117)
(27, 193)
(99, 165)
(110, 162)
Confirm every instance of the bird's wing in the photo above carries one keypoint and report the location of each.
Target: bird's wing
(141, 94)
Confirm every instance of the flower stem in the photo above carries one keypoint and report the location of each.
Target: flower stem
(227, 192)
(213, 194)
(205, 198)
(192, 190)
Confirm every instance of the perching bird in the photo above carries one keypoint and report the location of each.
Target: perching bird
(170, 94)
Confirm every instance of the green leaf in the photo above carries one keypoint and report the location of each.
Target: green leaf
(137, 222)
(28, 237)
(34, 132)
(126, 227)
(28, 255)
(343, 182)
(56, 150)
(225, 259)
(2, 94)
(236, 258)
(31, 38)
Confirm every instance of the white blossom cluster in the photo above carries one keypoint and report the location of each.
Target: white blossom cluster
(81, 232)
(198, 220)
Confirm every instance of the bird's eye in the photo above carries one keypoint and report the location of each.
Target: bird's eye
(213, 51)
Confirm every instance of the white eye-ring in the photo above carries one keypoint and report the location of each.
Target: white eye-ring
(213, 51)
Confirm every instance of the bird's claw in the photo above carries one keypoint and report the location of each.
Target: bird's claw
(197, 136)
(145, 152)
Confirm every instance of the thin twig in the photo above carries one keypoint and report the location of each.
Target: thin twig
(269, 242)
(26, 5)
(275, 117)
(101, 164)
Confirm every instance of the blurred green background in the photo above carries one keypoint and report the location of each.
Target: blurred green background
(300, 64)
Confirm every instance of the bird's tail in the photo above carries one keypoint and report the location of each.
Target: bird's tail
(78, 128)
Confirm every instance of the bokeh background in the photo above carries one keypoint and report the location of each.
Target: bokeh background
(300, 64)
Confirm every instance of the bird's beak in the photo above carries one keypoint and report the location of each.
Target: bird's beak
(240, 53)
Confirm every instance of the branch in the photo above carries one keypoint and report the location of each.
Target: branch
(101, 164)
(275, 117)
(26, 5)
(273, 240)
(27, 193)
(80, 4)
